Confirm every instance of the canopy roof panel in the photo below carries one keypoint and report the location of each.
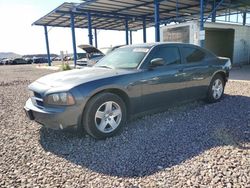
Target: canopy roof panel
(111, 14)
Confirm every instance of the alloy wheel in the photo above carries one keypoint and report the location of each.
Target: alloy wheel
(108, 117)
(217, 89)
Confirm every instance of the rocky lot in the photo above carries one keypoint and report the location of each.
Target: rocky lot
(193, 145)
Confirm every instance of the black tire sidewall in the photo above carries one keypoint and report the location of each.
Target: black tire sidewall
(210, 97)
(92, 107)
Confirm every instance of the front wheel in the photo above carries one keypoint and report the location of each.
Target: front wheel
(104, 115)
(216, 89)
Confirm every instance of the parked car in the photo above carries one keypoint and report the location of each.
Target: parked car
(39, 60)
(78, 56)
(56, 59)
(18, 61)
(131, 80)
(2, 61)
(6, 61)
(67, 58)
(92, 55)
(29, 60)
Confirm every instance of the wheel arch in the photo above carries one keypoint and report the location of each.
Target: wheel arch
(221, 73)
(119, 92)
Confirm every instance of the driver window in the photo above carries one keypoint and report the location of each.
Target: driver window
(170, 55)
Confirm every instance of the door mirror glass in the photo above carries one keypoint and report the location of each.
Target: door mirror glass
(157, 62)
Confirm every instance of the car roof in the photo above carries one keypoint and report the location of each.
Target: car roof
(150, 45)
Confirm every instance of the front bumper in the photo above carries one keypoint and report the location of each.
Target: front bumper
(54, 118)
(81, 63)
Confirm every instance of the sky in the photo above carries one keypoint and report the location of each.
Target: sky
(19, 36)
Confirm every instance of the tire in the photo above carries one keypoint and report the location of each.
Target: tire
(104, 115)
(216, 89)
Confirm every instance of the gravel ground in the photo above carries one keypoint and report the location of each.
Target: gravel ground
(194, 145)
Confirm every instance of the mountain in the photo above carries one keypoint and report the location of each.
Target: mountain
(39, 55)
(8, 55)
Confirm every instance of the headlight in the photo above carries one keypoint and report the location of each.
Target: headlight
(60, 99)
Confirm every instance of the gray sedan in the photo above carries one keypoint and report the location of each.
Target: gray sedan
(130, 81)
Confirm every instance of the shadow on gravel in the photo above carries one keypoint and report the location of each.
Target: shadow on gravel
(157, 142)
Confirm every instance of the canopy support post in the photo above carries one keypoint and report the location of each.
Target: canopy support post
(126, 28)
(215, 5)
(90, 29)
(131, 37)
(214, 11)
(96, 42)
(72, 25)
(202, 30)
(144, 31)
(244, 18)
(47, 44)
(157, 20)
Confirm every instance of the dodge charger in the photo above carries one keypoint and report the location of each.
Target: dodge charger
(132, 80)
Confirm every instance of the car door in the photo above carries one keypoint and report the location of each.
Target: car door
(163, 85)
(195, 71)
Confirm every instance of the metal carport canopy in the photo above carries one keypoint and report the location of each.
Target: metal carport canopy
(111, 14)
(60, 17)
(134, 15)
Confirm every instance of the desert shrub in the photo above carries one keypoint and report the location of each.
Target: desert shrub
(65, 67)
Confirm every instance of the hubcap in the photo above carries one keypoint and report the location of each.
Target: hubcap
(108, 117)
(217, 89)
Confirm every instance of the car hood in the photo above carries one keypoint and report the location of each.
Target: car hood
(89, 49)
(69, 79)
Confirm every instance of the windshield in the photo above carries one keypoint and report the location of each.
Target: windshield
(81, 55)
(124, 58)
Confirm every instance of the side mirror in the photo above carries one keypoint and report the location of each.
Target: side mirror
(156, 62)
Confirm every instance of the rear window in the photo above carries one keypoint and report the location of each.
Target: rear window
(193, 55)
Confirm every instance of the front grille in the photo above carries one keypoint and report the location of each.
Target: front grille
(39, 103)
(38, 95)
(38, 99)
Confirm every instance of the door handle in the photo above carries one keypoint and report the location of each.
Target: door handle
(155, 79)
(180, 70)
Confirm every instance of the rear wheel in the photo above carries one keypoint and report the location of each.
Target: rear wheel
(104, 115)
(216, 89)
